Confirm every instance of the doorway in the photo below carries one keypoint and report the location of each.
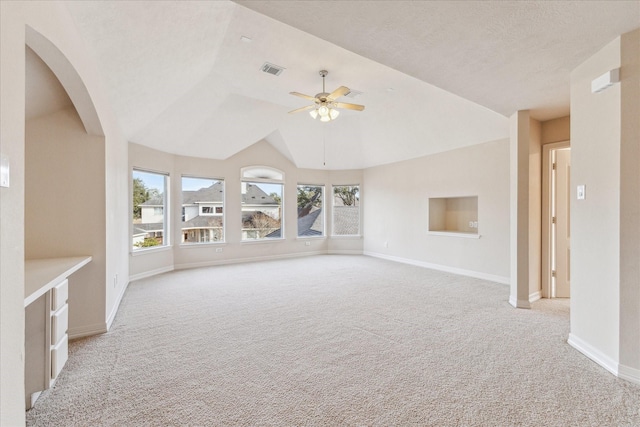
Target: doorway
(556, 225)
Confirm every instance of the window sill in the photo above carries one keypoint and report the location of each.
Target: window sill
(201, 245)
(150, 250)
(350, 237)
(261, 241)
(311, 237)
(454, 234)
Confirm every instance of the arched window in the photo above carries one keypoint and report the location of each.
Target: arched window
(262, 196)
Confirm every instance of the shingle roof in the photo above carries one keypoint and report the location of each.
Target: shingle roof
(346, 220)
(203, 222)
(213, 193)
(311, 224)
(255, 195)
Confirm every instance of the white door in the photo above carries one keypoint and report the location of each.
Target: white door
(562, 224)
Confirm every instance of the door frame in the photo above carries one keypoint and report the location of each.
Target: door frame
(547, 181)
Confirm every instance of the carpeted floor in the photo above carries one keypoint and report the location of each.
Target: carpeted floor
(332, 341)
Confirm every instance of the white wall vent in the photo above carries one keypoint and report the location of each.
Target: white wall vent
(276, 70)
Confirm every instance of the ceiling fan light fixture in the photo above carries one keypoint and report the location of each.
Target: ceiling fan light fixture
(323, 110)
(313, 114)
(333, 114)
(325, 118)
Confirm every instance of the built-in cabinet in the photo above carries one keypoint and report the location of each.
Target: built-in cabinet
(46, 321)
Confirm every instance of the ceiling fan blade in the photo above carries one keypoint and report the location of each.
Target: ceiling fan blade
(341, 91)
(302, 95)
(348, 106)
(308, 107)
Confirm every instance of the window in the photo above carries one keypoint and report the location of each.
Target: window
(202, 202)
(346, 210)
(150, 210)
(262, 193)
(310, 211)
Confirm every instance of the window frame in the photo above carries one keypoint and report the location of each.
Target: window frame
(324, 211)
(333, 211)
(200, 212)
(262, 175)
(166, 212)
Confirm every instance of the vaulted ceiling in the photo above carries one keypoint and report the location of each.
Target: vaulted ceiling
(185, 77)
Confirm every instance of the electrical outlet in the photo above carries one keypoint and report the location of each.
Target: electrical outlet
(218, 250)
(307, 243)
(115, 280)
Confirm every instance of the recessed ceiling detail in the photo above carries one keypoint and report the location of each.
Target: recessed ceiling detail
(180, 78)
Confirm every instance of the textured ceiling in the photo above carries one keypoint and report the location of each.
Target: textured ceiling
(504, 55)
(434, 76)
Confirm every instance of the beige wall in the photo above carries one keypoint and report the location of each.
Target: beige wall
(630, 206)
(535, 209)
(556, 130)
(144, 263)
(65, 209)
(595, 221)
(396, 205)
(84, 85)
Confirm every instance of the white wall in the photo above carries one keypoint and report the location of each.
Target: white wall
(396, 205)
(144, 263)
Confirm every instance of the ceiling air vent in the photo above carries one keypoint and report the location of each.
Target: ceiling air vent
(276, 70)
(353, 94)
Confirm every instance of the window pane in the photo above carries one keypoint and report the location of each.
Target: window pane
(310, 212)
(346, 210)
(149, 210)
(261, 211)
(202, 202)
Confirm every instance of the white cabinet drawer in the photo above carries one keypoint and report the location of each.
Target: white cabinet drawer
(59, 295)
(59, 355)
(59, 324)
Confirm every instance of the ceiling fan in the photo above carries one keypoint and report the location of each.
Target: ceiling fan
(324, 104)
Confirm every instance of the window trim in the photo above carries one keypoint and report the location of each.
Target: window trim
(167, 242)
(324, 211)
(223, 214)
(246, 177)
(333, 206)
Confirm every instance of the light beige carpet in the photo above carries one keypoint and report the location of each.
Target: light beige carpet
(332, 341)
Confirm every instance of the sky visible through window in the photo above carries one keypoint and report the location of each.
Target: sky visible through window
(151, 180)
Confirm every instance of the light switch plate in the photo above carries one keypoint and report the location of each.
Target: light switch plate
(4, 171)
(581, 192)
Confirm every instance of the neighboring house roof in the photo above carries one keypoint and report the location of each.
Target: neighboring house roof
(255, 196)
(311, 224)
(139, 228)
(346, 219)
(203, 222)
(213, 193)
(155, 201)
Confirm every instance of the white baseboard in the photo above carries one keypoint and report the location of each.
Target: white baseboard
(454, 270)
(245, 260)
(114, 310)
(594, 354)
(535, 296)
(150, 273)
(85, 331)
(629, 374)
(519, 303)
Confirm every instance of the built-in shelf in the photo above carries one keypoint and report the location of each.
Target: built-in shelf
(454, 216)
